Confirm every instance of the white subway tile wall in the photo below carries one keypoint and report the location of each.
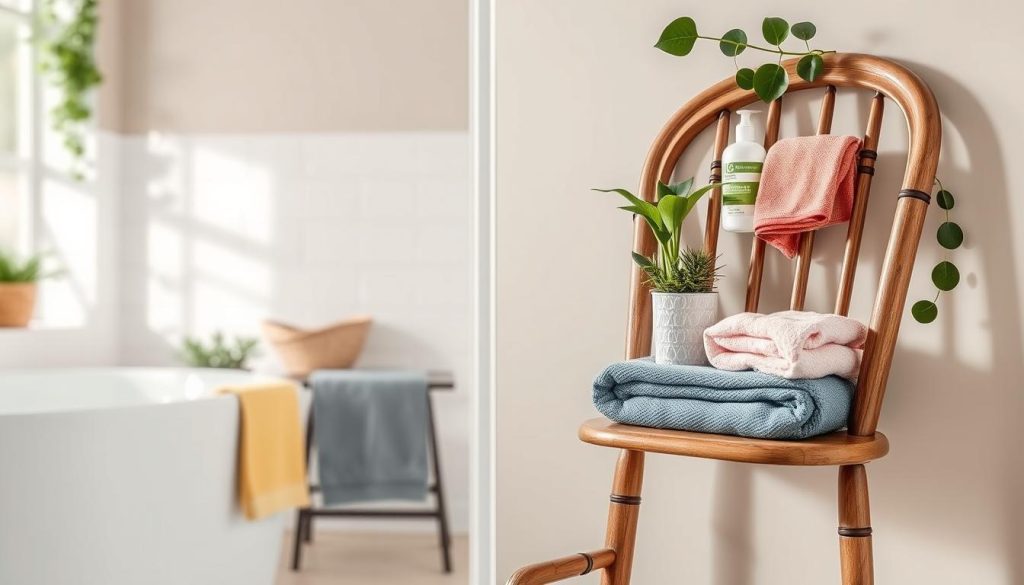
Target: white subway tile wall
(219, 232)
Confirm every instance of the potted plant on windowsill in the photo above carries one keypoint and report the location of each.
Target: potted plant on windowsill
(18, 284)
(682, 281)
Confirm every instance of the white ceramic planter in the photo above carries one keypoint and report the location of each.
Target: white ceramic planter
(679, 323)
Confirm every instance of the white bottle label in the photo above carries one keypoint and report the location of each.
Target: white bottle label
(740, 189)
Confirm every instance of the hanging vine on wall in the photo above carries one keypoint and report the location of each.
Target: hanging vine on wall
(945, 274)
(67, 35)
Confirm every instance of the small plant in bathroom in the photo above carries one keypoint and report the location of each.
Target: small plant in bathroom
(66, 33)
(945, 274)
(682, 280)
(768, 80)
(219, 352)
(19, 279)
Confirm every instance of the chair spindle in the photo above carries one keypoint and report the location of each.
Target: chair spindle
(803, 258)
(865, 172)
(771, 134)
(715, 203)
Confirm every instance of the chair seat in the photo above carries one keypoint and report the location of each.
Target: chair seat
(836, 448)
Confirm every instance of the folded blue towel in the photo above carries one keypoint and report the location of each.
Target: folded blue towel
(707, 400)
(371, 434)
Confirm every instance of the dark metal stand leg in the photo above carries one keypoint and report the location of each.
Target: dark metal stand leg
(301, 520)
(442, 515)
(307, 534)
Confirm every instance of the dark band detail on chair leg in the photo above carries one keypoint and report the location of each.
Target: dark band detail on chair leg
(715, 179)
(627, 500)
(865, 169)
(590, 563)
(916, 195)
(855, 532)
(868, 153)
(716, 164)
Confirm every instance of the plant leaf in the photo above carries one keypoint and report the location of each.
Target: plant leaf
(733, 42)
(673, 210)
(945, 276)
(775, 30)
(678, 37)
(682, 187)
(945, 199)
(950, 235)
(693, 198)
(642, 261)
(770, 82)
(809, 67)
(745, 78)
(804, 31)
(924, 311)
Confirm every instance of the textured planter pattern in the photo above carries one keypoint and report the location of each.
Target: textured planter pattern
(679, 323)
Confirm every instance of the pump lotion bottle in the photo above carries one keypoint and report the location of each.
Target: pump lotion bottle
(741, 175)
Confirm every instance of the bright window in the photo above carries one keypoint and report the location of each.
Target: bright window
(19, 123)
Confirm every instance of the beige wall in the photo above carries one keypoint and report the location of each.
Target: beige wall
(284, 66)
(580, 96)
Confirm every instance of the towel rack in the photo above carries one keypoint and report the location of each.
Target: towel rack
(436, 381)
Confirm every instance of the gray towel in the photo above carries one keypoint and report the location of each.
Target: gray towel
(707, 400)
(371, 434)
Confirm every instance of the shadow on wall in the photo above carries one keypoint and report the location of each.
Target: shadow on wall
(953, 481)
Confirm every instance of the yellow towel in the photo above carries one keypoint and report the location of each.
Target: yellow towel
(271, 466)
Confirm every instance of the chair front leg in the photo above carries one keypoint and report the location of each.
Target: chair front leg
(855, 526)
(622, 516)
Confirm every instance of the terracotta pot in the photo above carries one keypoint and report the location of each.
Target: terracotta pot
(17, 303)
(679, 323)
(333, 347)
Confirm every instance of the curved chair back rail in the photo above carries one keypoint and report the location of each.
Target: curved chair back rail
(715, 104)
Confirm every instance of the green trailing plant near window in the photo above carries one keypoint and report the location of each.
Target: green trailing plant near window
(27, 270)
(218, 352)
(672, 269)
(769, 81)
(945, 274)
(67, 35)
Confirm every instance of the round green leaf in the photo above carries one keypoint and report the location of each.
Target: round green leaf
(804, 31)
(678, 37)
(809, 67)
(775, 30)
(745, 78)
(770, 82)
(950, 235)
(733, 42)
(945, 199)
(945, 276)
(924, 311)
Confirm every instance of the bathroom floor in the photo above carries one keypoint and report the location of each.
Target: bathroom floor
(340, 558)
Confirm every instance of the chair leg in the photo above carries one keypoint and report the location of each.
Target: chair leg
(622, 516)
(855, 526)
(301, 517)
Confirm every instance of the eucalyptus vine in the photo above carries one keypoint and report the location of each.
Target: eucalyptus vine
(67, 34)
(945, 274)
(769, 81)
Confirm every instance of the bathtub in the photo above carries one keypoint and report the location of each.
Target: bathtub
(125, 476)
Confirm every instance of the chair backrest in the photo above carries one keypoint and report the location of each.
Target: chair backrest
(714, 106)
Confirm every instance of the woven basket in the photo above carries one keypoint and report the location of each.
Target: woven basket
(333, 347)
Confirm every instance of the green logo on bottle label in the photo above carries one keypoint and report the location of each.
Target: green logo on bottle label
(743, 167)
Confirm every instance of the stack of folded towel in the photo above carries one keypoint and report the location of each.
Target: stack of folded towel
(791, 344)
(803, 387)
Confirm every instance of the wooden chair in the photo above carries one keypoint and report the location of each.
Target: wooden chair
(849, 449)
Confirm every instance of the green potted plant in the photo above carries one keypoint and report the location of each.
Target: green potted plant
(19, 280)
(682, 280)
(218, 352)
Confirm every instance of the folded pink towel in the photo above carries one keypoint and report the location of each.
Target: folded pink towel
(790, 344)
(806, 184)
